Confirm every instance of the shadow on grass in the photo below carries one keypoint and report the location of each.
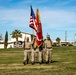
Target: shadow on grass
(53, 61)
(37, 62)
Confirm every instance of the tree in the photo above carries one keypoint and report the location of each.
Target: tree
(16, 34)
(1, 37)
(6, 40)
(58, 40)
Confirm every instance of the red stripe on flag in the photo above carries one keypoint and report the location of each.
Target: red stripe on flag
(39, 35)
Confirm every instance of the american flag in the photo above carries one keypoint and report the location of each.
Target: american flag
(33, 20)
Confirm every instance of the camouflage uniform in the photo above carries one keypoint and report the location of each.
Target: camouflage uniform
(40, 54)
(27, 51)
(48, 48)
(34, 51)
(43, 52)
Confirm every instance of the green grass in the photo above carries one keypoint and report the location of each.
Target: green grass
(64, 63)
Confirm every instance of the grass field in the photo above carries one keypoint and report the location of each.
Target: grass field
(64, 63)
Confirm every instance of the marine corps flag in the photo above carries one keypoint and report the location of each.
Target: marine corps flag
(39, 36)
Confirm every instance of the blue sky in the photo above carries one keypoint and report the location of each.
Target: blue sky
(57, 16)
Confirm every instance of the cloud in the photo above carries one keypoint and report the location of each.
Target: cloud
(16, 17)
(22, 2)
(55, 20)
(52, 20)
(49, 18)
(58, 18)
(65, 2)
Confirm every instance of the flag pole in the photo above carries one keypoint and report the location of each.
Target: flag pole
(33, 33)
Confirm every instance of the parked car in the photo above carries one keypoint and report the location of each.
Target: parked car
(57, 44)
(63, 44)
(70, 44)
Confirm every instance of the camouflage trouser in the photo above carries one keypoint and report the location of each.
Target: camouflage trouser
(26, 54)
(43, 55)
(49, 55)
(40, 56)
(34, 55)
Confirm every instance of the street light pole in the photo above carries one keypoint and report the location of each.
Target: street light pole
(65, 36)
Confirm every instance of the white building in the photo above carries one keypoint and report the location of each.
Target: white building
(12, 41)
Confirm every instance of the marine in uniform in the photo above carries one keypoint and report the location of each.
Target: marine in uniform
(40, 54)
(27, 50)
(48, 48)
(34, 51)
(40, 51)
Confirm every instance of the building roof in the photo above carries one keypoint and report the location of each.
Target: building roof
(27, 33)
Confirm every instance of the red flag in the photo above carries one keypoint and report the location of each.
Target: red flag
(39, 35)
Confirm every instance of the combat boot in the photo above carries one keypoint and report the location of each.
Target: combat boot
(47, 62)
(40, 62)
(24, 62)
(32, 63)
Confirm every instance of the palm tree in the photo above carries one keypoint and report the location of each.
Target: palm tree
(58, 40)
(16, 34)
